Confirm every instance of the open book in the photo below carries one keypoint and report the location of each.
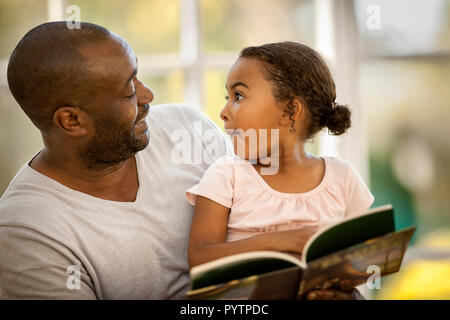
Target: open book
(344, 254)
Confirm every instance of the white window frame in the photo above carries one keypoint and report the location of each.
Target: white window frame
(337, 40)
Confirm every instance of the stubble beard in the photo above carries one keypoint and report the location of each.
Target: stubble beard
(111, 145)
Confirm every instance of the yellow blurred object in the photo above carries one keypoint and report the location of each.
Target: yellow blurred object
(439, 238)
(422, 279)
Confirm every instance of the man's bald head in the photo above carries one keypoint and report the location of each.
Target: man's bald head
(46, 69)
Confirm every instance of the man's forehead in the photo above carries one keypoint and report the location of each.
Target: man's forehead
(112, 58)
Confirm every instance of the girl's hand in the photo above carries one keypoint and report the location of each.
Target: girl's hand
(289, 241)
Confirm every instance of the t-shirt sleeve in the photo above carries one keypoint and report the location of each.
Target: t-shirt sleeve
(217, 183)
(34, 266)
(359, 197)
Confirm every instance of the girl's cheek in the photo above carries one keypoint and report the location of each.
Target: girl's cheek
(236, 118)
(244, 119)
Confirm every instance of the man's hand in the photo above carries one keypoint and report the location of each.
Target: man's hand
(330, 294)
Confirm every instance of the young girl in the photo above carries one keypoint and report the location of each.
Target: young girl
(285, 87)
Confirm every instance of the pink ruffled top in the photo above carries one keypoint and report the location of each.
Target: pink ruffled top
(255, 207)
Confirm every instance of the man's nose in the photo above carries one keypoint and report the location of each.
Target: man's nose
(146, 95)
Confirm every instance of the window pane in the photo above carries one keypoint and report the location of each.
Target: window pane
(148, 26)
(17, 17)
(235, 24)
(19, 138)
(166, 87)
(403, 26)
(214, 89)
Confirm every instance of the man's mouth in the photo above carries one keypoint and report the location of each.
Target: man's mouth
(144, 115)
(143, 121)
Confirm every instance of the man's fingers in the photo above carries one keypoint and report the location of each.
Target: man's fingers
(349, 284)
(331, 284)
(329, 295)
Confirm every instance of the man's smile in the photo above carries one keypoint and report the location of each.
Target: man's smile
(143, 123)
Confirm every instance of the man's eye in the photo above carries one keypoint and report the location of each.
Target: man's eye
(131, 96)
(227, 97)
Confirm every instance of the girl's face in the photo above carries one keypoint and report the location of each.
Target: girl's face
(250, 107)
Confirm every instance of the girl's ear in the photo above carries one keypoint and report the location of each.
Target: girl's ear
(292, 111)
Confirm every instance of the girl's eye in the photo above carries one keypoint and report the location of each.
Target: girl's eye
(238, 96)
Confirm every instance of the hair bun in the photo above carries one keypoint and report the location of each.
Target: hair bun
(339, 119)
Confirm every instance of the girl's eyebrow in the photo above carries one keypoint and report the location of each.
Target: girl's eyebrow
(237, 83)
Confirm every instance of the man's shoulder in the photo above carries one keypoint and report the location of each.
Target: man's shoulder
(26, 202)
(177, 112)
(172, 107)
(29, 212)
(176, 125)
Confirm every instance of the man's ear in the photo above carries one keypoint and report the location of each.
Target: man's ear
(294, 113)
(71, 121)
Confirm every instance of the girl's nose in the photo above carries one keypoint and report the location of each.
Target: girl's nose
(223, 114)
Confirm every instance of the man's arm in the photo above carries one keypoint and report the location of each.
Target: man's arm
(34, 266)
(343, 291)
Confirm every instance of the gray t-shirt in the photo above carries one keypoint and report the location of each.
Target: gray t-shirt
(51, 235)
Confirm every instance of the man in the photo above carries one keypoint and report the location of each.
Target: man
(88, 201)
(99, 212)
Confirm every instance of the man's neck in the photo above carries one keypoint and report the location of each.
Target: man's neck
(118, 182)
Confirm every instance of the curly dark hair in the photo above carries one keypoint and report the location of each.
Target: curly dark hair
(299, 72)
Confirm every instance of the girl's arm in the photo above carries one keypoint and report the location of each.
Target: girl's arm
(209, 231)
